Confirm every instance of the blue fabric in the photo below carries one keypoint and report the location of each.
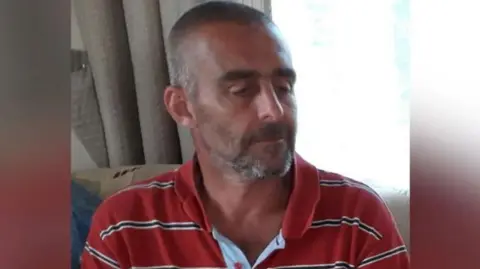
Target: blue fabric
(83, 205)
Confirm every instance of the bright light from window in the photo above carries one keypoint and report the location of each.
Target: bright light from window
(352, 91)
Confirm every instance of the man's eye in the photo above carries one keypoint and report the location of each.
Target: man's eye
(239, 91)
(284, 89)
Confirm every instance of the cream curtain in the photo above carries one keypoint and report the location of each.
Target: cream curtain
(125, 45)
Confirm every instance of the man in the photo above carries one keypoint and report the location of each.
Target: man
(246, 200)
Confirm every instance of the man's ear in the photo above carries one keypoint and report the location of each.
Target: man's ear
(177, 105)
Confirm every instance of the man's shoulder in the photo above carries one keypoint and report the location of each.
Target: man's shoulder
(141, 199)
(348, 202)
(347, 195)
(336, 182)
(336, 188)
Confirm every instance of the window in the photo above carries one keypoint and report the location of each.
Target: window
(353, 86)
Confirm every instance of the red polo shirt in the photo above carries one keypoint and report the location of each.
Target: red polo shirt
(330, 222)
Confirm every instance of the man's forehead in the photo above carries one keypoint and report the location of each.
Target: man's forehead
(236, 46)
(231, 34)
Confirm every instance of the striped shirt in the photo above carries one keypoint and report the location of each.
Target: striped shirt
(330, 222)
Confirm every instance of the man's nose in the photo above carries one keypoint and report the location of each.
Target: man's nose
(268, 104)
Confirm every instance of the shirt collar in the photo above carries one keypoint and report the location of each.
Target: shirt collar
(300, 209)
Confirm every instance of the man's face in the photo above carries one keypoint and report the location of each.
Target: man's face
(243, 103)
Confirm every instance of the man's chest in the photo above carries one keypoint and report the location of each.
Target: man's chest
(200, 249)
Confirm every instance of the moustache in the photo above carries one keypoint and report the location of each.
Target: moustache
(269, 132)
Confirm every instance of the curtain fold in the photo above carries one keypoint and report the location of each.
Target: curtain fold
(125, 45)
(102, 26)
(145, 34)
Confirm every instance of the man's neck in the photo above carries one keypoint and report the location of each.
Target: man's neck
(248, 212)
(236, 198)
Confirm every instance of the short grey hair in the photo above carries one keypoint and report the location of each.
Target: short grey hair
(209, 12)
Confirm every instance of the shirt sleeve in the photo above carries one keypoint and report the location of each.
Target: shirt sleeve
(99, 253)
(388, 250)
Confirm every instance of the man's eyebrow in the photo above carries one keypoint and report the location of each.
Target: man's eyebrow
(285, 72)
(240, 74)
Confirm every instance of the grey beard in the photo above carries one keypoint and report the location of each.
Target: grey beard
(252, 169)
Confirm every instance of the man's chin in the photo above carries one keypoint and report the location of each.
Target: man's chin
(275, 167)
(263, 164)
